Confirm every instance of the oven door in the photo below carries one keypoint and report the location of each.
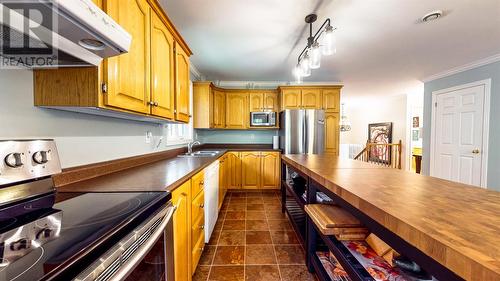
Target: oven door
(146, 254)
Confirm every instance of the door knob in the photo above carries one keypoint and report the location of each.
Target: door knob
(475, 151)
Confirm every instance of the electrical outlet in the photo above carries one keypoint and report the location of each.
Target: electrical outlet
(149, 137)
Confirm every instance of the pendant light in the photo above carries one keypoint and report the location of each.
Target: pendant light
(329, 47)
(305, 66)
(321, 43)
(315, 56)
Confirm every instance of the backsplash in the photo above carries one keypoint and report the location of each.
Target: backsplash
(236, 136)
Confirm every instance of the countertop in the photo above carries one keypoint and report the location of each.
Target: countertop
(163, 175)
(455, 224)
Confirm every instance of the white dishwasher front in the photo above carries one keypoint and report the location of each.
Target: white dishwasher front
(211, 198)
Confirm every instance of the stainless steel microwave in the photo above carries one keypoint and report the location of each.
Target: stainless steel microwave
(263, 119)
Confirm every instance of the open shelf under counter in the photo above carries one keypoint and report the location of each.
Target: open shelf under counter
(297, 217)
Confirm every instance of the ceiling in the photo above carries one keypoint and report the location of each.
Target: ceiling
(382, 48)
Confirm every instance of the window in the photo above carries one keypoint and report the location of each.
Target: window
(180, 133)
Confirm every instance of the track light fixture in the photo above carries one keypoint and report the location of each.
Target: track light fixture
(322, 43)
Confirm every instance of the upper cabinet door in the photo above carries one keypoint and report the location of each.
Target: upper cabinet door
(331, 100)
(219, 109)
(271, 101)
(256, 102)
(311, 98)
(291, 99)
(162, 69)
(332, 133)
(182, 86)
(128, 75)
(236, 110)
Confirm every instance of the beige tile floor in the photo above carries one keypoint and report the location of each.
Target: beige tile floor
(253, 241)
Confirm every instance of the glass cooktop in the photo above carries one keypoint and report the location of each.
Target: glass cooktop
(59, 242)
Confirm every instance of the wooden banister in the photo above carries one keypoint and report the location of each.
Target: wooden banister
(385, 154)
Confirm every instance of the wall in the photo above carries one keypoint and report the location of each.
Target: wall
(236, 136)
(490, 71)
(80, 138)
(363, 111)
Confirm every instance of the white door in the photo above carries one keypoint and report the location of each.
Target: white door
(460, 134)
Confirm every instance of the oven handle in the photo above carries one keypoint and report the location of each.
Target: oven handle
(130, 265)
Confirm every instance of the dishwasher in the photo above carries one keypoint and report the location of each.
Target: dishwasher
(211, 198)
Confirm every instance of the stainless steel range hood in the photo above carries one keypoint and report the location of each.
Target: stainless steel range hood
(58, 33)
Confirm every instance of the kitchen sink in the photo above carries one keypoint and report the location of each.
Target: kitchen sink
(201, 153)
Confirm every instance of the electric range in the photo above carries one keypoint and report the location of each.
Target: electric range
(45, 235)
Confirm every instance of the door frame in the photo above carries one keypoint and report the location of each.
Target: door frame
(486, 121)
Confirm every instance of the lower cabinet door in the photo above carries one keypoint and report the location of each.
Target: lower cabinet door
(198, 248)
(270, 170)
(250, 170)
(182, 228)
(233, 170)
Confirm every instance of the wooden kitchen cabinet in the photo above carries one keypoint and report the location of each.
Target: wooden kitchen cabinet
(237, 110)
(270, 175)
(197, 219)
(162, 69)
(128, 76)
(311, 98)
(263, 101)
(256, 102)
(332, 133)
(233, 170)
(182, 228)
(271, 101)
(260, 170)
(331, 100)
(219, 109)
(203, 104)
(223, 179)
(250, 170)
(182, 85)
(291, 98)
(149, 83)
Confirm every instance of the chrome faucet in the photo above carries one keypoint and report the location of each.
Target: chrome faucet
(191, 144)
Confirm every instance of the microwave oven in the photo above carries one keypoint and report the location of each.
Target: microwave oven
(263, 119)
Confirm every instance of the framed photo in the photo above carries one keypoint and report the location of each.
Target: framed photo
(416, 122)
(380, 133)
(415, 135)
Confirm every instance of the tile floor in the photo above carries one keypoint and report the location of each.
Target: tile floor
(253, 241)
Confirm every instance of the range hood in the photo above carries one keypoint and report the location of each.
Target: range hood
(66, 33)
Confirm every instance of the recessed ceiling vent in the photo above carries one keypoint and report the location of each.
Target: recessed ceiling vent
(434, 15)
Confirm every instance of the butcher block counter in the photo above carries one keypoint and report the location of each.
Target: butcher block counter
(454, 224)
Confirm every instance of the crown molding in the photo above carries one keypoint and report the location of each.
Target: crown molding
(195, 72)
(465, 67)
(268, 84)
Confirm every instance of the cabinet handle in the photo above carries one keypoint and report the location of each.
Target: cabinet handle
(202, 182)
(202, 249)
(202, 227)
(151, 103)
(155, 103)
(202, 206)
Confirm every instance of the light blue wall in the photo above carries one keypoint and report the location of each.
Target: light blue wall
(490, 71)
(236, 136)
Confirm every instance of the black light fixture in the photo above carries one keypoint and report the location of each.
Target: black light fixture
(310, 57)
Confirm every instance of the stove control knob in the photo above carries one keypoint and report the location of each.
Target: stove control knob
(40, 157)
(13, 160)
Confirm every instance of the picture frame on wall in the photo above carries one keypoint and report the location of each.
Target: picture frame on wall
(380, 133)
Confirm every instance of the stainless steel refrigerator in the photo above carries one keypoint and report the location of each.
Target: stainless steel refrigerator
(302, 131)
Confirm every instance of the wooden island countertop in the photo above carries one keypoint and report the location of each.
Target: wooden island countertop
(457, 225)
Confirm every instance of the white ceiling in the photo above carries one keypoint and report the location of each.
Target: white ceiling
(382, 48)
